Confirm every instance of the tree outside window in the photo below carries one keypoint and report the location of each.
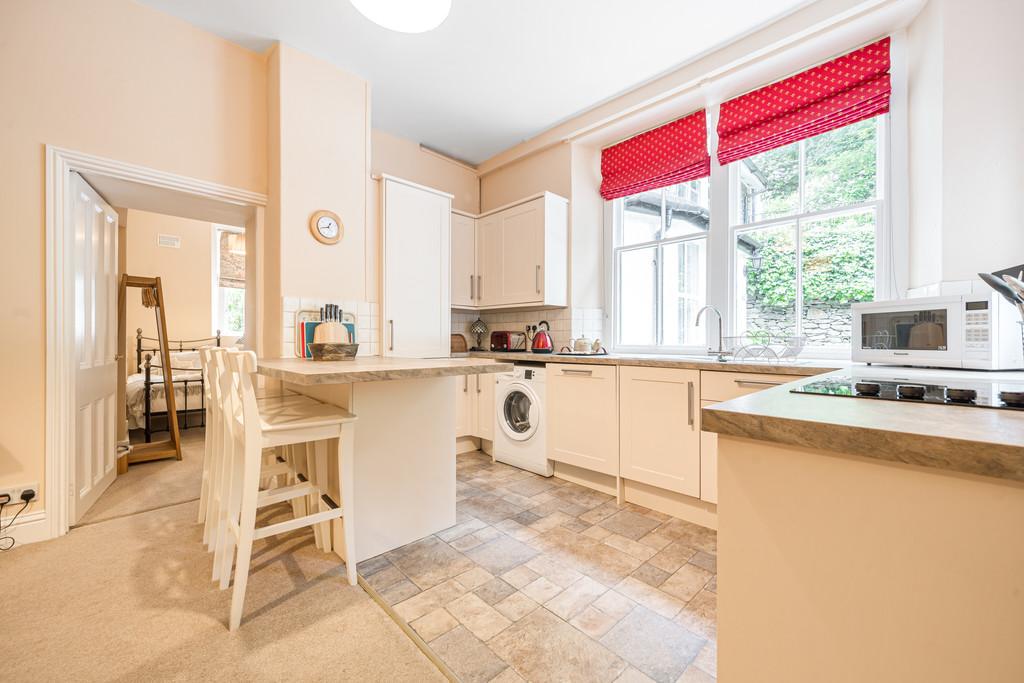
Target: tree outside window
(229, 280)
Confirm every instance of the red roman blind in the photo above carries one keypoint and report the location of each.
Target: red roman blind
(829, 96)
(674, 153)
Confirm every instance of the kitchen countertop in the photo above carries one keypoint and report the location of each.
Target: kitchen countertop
(970, 440)
(373, 369)
(798, 367)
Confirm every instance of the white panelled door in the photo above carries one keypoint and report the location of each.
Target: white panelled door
(94, 229)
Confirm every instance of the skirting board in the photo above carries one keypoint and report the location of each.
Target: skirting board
(660, 500)
(30, 527)
(466, 444)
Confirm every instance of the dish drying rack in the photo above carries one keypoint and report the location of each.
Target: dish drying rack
(764, 347)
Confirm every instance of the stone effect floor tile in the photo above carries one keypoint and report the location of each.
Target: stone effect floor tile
(482, 620)
(434, 624)
(575, 598)
(516, 606)
(467, 657)
(494, 591)
(542, 579)
(542, 647)
(656, 646)
(520, 576)
(629, 524)
(593, 622)
(686, 582)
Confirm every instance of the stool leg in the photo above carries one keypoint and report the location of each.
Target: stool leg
(246, 528)
(209, 506)
(321, 485)
(312, 503)
(346, 477)
(298, 464)
(230, 510)
(204, 491)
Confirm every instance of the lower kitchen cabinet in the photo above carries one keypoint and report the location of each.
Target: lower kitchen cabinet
(582, 408)
(485, 406)
(708, 463)
(659, 428)
(474, 406)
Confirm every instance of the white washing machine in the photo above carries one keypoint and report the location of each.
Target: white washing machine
(519, 434)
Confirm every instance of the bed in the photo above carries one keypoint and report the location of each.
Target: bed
(144, 389)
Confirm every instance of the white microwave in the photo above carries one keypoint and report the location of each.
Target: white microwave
(972, 331)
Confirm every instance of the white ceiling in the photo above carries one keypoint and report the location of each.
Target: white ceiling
(496, 72)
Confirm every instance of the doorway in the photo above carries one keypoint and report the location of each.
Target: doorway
(75, 477)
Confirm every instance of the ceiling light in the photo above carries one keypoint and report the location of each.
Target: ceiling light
(405, 16)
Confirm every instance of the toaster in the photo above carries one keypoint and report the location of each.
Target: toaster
(503, 340)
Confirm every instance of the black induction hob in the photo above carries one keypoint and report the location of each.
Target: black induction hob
(974, 392)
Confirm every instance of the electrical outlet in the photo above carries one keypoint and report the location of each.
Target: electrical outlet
(15, 493)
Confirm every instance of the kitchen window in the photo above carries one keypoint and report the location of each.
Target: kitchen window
(806, 222)
(228, 280)
(660, 266)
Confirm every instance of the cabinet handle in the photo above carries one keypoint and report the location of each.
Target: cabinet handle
(755, 383)
(569, 371)
(536, 279)
(465, 384)
(472, 289)
(689, 403)
(478, 384)
(479, 287)
(391, 323)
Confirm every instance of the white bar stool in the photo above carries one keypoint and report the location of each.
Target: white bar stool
(273, 424)
(218, 386)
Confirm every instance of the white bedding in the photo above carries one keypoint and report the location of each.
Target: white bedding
(135, 389)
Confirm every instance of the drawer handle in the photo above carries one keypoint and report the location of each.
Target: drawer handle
(755, 383)
(689, 404)
(568, 371)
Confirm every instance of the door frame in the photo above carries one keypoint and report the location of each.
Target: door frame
(59, 437)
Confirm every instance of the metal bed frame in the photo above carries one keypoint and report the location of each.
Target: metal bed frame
(144, 364)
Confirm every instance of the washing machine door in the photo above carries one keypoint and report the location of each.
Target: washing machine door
(519, 412)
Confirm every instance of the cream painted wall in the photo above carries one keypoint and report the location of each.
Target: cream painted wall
(587, 210)
(549, 170)
(403, 158)
(925, 116)
(186, 275)
(966, 139)
(319, 159)
(110, 78)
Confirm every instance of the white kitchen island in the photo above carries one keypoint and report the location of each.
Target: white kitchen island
(404, 438)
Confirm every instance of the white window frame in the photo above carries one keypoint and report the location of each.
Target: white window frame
(883, 236)
(217, 298)
(613, 224)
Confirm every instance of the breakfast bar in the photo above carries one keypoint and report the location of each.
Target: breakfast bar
(404, 475)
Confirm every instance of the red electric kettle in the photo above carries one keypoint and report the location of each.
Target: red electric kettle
(542, 342)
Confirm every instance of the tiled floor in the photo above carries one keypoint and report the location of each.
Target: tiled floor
(544, 580)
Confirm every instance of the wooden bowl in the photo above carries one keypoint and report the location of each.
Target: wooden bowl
(333, 351)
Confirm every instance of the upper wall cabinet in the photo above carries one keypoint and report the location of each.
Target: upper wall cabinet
(520, 255)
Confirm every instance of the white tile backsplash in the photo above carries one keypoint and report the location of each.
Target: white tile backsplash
(366, 313)
(565, 323)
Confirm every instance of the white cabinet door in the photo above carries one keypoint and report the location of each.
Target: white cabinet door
(465, 406)
(416, 298)
(522, 253)
(659, 428)
(583, 421)
(488, 261)
(463, 261)
(485, 406)
(708, 463)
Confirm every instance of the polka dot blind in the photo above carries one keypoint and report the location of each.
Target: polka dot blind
(845, 90)
(674, 153)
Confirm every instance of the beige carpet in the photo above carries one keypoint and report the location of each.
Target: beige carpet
(151, 485)
(130, 599)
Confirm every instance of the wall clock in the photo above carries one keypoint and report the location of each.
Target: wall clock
(326, 227)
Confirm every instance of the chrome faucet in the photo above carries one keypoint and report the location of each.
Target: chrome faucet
(721, 353)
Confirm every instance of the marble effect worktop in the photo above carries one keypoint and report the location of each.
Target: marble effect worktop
(798, 367)
(373, 369)
(962, 439)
